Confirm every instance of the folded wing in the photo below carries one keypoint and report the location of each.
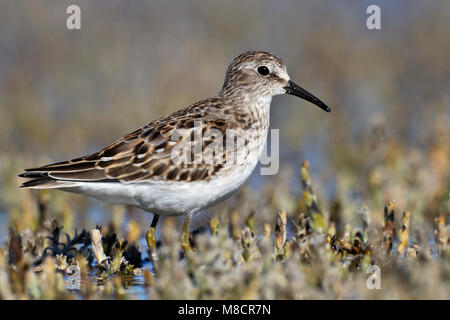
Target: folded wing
(144, 154)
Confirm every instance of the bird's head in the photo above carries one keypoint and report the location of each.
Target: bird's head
(262, 74)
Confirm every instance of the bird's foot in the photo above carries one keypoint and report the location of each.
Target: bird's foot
(185, 244)
(185, 235)
(151, 238)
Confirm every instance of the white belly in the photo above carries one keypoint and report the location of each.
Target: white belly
(189, 197)
(170, 198)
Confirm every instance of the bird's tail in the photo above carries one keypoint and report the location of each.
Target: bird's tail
(40, 180)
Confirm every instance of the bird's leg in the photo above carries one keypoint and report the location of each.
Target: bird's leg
(151, 234)
(185, 234)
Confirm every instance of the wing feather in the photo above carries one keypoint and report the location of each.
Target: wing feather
(144, 154)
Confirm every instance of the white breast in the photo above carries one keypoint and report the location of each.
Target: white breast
(170, 198)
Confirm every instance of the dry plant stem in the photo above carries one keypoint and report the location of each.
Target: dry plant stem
(312, 209)
(214, 225)
(280, 232)
(404, 233)
(441, 233)
(97, 247)
(308, 192)
(389, 230)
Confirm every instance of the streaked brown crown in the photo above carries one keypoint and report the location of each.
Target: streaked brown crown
(241, 77)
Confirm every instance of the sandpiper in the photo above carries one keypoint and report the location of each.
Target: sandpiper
(140, 169)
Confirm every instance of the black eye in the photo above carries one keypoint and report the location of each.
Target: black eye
(263, 70)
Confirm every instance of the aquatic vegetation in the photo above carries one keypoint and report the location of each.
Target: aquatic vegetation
(313, 260)
(283, 245)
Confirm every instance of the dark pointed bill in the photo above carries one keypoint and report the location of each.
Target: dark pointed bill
(298, 91)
